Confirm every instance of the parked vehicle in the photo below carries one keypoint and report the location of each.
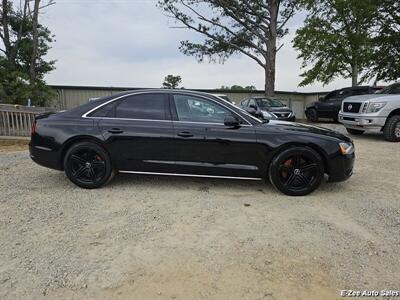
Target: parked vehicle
(267, 109)
(223, 96)
(377, 111)
(329, 105)
(185, 133)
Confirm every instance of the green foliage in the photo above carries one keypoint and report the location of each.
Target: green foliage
(232, 27)
(15, 85)
(337, 39)
(239, 88)
(387, 42)
(172, 82)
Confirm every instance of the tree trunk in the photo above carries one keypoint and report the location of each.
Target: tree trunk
(32, 71)
(271, 49)
(354, 74)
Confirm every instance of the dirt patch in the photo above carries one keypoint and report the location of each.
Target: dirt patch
(151, 237)
(10, 145)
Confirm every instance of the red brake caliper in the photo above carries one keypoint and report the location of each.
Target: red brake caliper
(287, 164)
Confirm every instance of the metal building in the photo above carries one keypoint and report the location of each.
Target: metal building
(72, 96)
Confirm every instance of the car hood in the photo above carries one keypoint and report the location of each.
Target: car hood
(299, 128)
(278, 109)
(359, 98)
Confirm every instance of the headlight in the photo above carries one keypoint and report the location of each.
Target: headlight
(375, 106)
(266, 114)
(346, 148)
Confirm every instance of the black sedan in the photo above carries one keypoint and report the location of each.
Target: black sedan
(184, 133)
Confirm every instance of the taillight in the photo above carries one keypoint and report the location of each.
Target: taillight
(33, 128)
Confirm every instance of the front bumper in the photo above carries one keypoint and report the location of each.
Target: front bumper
(357, 121)
(291, 118)
(341, 168)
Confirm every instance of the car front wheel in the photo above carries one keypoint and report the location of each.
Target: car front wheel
(296, 171)
(312, 115)
(88, 165)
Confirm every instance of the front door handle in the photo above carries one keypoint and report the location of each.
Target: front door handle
(185, 134)
(115, 131)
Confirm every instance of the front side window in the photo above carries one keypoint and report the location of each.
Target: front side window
(252, 103)
(194, 109)
(143, 106)
(391, 89)
(331, 95)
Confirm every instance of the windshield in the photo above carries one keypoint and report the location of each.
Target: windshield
(266, 103)
(391, 89)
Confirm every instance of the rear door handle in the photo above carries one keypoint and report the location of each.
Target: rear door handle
(115, 131)
(185, 134)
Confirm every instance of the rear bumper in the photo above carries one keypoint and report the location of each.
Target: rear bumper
(357, 121)
(342, 168)
(45, 157)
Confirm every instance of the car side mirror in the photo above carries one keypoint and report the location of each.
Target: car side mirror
(253, 106)
(231, 121)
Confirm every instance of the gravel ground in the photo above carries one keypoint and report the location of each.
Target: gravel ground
(148, 237)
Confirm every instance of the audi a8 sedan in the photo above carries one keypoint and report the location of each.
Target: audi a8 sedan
(186, 133)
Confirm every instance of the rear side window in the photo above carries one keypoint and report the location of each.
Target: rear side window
(104, 111)
(144, 106)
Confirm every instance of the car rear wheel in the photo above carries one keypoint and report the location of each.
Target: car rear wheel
(354, 131)
(391, 131)
(312, 115)
(88, 165)
(296, 171)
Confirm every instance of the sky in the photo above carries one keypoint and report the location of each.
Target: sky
(130, 43)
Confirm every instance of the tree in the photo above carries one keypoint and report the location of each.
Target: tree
(387, 42)
(251, 28)
(239, 88)
(22, 61)
(337, 40)
(172, 82)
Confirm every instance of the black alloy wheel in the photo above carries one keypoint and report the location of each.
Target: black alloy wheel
(296, 171)
(88, 165)
(312, 115)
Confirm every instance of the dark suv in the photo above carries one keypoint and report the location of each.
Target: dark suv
(329, 106)
(267, 109)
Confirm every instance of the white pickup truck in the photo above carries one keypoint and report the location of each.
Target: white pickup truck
(374, 111)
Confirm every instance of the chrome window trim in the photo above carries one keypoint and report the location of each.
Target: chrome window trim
(169, 121)
(85, 115)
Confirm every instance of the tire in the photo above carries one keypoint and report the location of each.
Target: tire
(296, 171)
(312, 115)
(391, 131)
(88, 165)
(354, 131)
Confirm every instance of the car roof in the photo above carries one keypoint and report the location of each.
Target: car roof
(79, 110)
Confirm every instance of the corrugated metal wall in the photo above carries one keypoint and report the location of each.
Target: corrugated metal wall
(69, 97)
